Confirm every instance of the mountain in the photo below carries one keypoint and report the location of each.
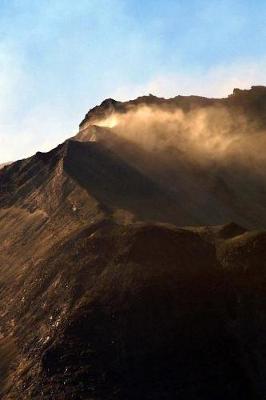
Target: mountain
(132, 256)
(208, 154)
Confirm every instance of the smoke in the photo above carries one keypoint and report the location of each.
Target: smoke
(203, 136)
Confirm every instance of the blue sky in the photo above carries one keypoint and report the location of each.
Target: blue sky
(58, 58)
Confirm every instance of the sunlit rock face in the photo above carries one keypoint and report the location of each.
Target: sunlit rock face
(121, 275)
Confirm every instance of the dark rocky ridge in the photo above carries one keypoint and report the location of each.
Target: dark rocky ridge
(101, 299)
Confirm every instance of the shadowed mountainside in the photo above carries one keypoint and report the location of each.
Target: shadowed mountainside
(140, 311)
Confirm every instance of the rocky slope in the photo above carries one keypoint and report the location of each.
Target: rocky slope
(110, 285)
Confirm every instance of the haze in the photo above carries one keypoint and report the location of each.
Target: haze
(202, 136)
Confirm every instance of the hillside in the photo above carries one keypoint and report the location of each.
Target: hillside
(139, 311)
(132, 256)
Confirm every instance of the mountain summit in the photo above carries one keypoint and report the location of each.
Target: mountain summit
(205, 154)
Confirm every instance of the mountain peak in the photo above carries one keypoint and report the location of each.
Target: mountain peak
(109, 102)
(245, 99)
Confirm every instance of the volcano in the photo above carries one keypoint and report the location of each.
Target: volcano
(135, 271)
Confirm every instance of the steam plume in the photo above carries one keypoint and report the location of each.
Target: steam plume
(201, 135)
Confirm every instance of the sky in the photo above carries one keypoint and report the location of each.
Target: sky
(59, 58)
